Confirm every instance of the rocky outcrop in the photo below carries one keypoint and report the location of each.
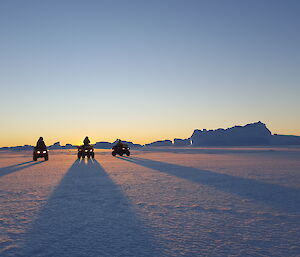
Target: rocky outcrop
(160, 143)
(103, 145)
(130, 144)
(69, 146)
(23, 147)
(55, 146)
(108, 145)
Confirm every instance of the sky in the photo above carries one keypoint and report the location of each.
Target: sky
(146, 70)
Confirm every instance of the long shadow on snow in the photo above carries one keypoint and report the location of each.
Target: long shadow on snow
(16, 167)
(88, 215)
(280, 197)
(222, 150)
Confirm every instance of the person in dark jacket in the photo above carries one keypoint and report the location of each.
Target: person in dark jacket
(40, 144)
(86, 141)
(119, 143)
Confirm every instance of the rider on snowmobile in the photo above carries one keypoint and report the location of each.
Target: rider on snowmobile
(40, 144)
(86, 142)
(119, 143)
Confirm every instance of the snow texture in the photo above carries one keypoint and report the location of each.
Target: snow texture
(158, 202)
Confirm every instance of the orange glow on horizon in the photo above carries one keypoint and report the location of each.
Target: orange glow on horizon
(136, 137)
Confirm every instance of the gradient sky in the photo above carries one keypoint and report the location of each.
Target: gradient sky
(146, 70)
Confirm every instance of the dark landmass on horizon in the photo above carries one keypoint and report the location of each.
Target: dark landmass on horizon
(253, 134)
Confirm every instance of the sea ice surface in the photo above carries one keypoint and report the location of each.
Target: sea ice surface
(157, 202)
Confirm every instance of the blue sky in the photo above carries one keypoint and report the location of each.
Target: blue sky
(146, 70)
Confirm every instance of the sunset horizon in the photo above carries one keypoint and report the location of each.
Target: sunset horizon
(141, 139)
(146, 71)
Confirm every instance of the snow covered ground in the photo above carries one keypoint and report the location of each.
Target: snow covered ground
(162, 202)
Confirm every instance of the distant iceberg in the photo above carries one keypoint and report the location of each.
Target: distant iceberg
(250, 134)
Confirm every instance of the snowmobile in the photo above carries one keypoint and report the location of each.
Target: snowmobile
(40, 153)
(120, 150)
(85, 151)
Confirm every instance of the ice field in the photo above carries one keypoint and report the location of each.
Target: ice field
(157, 202)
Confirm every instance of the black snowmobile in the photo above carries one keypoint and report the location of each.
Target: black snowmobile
(120, 150)
(40, 153)
(85, 151)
